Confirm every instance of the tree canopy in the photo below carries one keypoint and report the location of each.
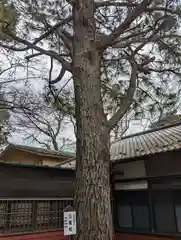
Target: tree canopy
(123, 56)
(145, 42)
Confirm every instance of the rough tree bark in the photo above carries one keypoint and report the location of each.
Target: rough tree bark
(92, 197)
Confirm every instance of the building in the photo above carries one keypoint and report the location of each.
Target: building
(146, 179)
(146, 174)
(32, 200)
(31, 155)
(166, 121)
(147, 191)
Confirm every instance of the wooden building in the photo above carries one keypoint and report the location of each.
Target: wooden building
(32, 199)
(32, 155)
(146, 179)
(147, 185)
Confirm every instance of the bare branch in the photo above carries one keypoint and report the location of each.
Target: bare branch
(66, 38)
(168, 10)
(53, 28)
(71, 2)
(125, 41)
(174, 71)
(44, 35)
(40, 119)
(155, 31)
(60, 76)
(12, 48)
(32, 56)
(35, 138)
(127, 101)
(116, 4)
(30, 45)
(154, 37)
(105, 41)
(50, 71)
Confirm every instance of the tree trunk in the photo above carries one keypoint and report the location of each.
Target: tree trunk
(92, 196)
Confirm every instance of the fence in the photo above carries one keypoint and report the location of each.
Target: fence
(25, 215)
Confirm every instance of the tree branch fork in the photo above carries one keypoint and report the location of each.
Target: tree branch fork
(102, 42)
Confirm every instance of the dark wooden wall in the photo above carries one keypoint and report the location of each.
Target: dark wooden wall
(27, 182)
(163, 163)
(129, 236)
(12, 155)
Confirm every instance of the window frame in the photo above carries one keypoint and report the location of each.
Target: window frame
(151, 211)
(57, 223)
(131, 204)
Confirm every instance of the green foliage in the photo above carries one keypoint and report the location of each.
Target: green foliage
(159, 60)
(8, 20)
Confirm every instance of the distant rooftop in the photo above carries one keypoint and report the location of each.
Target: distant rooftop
(149, 142)
(166, 121)
(41, 151)
(68, 164)
(152, 141)
(35, 166)
(163, 139)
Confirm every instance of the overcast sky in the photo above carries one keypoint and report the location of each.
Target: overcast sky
(37, 84)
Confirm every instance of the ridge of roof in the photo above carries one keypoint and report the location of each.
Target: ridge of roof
(147, 131)
(35, 166)
(42, 151)
(152, 141)
(168, 119)
(69, 163)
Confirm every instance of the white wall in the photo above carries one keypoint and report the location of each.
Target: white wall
(131, 170)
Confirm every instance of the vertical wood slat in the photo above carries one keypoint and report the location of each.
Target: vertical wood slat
(20, 216)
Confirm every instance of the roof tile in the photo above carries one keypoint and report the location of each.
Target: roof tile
(146, 143)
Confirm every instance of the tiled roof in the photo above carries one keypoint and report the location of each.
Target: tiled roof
(34, 166)
(145, 143)
(69, 164)
(149, 142)
(42, 151)
(167, 120)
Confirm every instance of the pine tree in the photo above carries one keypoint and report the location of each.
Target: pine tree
(123, 56)
(4, 121)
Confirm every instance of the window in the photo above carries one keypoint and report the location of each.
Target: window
(20, 215)
(164, 212)
(31, 215)
(162, 215)
(177, 203)
(141, 217)
(2, 214)
(125, 216)
(43, 210)
(178, 217)
(133, 211)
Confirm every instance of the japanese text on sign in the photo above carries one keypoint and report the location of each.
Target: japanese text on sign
(69, 223)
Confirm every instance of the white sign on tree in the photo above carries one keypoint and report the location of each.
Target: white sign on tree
(69, 221)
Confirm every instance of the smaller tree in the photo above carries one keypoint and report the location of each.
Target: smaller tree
(38, 121)
(4, 121)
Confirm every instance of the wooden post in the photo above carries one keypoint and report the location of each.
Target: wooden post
(150, 206)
